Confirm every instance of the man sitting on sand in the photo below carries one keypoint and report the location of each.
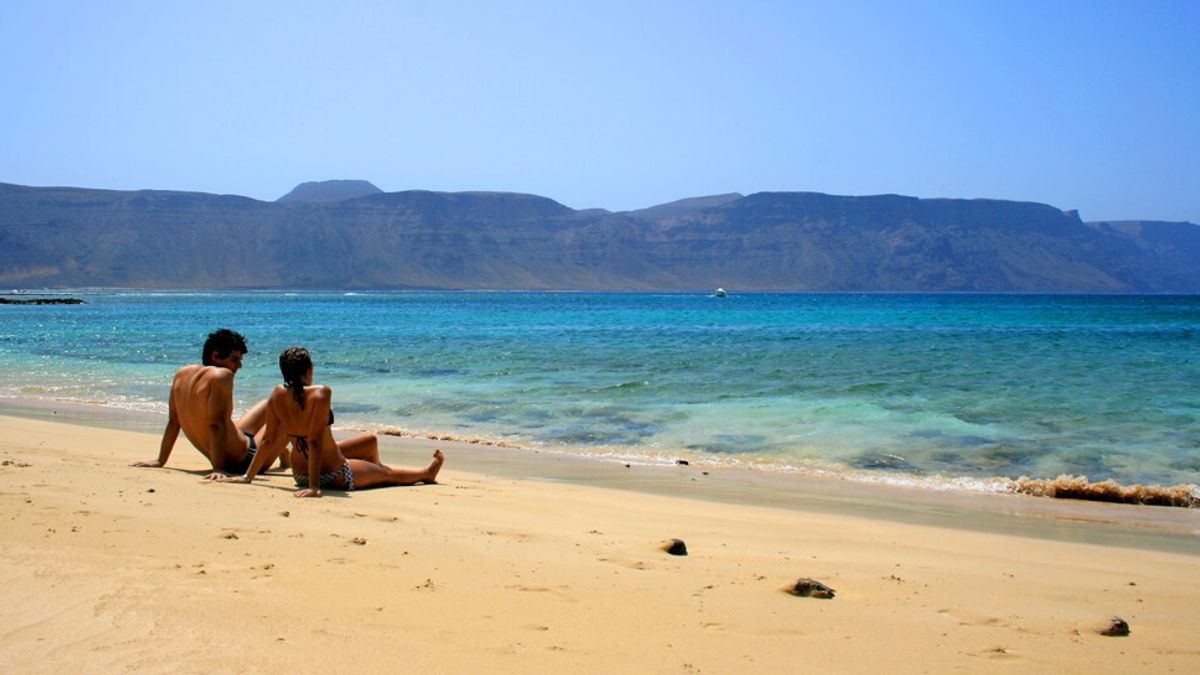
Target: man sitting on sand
(201, 403)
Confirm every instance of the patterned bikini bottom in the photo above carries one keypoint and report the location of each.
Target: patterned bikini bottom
(341, 474)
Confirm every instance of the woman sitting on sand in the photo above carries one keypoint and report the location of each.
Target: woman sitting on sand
(300, 411)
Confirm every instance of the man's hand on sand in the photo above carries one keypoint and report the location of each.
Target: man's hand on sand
(307, 492)
(226, 478)
(153, 464)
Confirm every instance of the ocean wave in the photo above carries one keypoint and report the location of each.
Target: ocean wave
(454, 438)
(632, 384)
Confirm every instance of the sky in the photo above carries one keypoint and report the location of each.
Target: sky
(1091, 105)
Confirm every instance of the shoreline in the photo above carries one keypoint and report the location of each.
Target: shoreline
(115, 568)
(1063, 487)
(1109, 524)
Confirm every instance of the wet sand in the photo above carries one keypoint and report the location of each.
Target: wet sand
(516, 564)
(1147, 527)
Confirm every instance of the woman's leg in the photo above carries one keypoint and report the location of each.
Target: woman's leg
(361, 447)
(370, 474)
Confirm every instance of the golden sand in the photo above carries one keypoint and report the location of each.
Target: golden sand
(109, 568)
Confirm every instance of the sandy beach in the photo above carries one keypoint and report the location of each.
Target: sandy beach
(111, 568)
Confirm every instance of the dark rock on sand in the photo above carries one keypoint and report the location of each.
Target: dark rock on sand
(675, 547)
(1117, 627)
(810, 588)
(681, 462)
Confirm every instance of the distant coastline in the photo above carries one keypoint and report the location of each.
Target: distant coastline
(417, 239)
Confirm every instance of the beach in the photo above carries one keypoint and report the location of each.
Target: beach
(112, 568)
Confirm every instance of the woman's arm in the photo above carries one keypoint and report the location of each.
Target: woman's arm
(272, 443)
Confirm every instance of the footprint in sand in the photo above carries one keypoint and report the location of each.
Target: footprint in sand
(632, 564)
(995, 653)
(512, 536)
(966, 618)
(562, 592)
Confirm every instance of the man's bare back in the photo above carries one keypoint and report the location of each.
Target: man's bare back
(201, 405)
(202, 399)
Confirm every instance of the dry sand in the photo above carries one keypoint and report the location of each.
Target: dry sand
(110, 568)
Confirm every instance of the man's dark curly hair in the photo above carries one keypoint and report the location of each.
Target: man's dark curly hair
(224, 342)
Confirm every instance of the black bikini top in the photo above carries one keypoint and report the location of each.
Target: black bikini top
(302, 441)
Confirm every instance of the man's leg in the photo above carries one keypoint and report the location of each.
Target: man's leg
(255, 422)
(254, 419)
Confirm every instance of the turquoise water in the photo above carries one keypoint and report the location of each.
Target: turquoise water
(906, 388)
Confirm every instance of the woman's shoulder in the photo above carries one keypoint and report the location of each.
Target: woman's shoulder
(319, 392)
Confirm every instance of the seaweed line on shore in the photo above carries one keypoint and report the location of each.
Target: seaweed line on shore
(1078, 487)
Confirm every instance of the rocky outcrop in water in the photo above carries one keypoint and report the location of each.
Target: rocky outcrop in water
(41, 301)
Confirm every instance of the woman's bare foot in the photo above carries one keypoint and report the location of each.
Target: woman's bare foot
(434, 467)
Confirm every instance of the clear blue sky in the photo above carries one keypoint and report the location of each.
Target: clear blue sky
(1091, 105)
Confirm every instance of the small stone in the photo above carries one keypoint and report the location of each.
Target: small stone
(681, 462)
(675, 547)
(1117, 627)
(810, 588)
(285, 514)
(230, 535)
(359, 540)
(150, 490)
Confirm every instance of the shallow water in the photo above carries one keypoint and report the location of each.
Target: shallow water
(931, 390)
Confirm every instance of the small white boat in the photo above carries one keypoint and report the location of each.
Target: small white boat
(719, 293)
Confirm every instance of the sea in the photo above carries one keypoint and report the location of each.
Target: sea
(947, 391)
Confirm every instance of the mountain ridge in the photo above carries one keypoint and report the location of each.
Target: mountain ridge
(329, 191)
(770, 241)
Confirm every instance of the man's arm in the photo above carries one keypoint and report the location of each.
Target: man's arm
(170, 434)
(220, 420)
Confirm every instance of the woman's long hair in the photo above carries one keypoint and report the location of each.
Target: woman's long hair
(294, 364)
